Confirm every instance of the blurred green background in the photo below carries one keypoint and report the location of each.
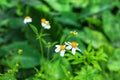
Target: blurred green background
(96, 21)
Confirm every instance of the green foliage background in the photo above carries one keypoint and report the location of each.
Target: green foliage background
(96, 21)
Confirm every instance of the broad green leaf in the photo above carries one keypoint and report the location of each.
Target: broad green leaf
(29, 55)
(88, 35)
(113, 65)
(9, 3)
(69, 18)
(111, 26)
(2, 52)
(31, 2)
(81, 3)
(15, 22)
(114, 62)
(59, 5)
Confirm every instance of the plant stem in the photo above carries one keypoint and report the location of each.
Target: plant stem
(41, 47)
(48, 53)
(40, 41)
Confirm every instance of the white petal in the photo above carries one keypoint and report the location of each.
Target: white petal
(57, 45)
(69, 47)
(62, 53)
(47, 27)
(57, 49)
(73, 51)
(78, 49)
(27, 20)
(67, 43)
(43, 24)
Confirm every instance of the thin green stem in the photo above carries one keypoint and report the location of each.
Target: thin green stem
(40, 41)
(48, 53)
(41, 47)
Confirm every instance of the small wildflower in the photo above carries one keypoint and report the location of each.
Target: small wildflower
(73, 33)
(45, 24)
(27, 19)
(68, 72)
(20, 51)
(73, 46)
(61, 49)
(16, 64)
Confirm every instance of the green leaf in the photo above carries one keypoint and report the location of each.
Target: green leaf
(97, 38)
(88, 73)
(114, 62)
(111, 26)
(57, 69)
(69, 18)
(29, 55)
(7, 76)
(101, 55)
(15, 22)
(2, 52)
(96, 65)
(89, 47)
(59, 5)
(8, 4)
(34, 29)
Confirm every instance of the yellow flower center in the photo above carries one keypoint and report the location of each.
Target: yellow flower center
(27, 17)
(74, 44)
(62, 47)
(43, 20)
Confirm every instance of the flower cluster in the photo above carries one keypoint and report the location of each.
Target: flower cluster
(73, 46)
(74, 33)
(45, 24)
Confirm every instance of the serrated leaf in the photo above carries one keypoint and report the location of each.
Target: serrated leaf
(96, 65)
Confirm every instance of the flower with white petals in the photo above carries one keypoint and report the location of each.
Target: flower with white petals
(73, 46)
(61, 49)
(27, 19)
(45, 24)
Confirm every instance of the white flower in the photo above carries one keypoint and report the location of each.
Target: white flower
(27, 19)
(73, 46)
(61, 49)
(45, 24)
